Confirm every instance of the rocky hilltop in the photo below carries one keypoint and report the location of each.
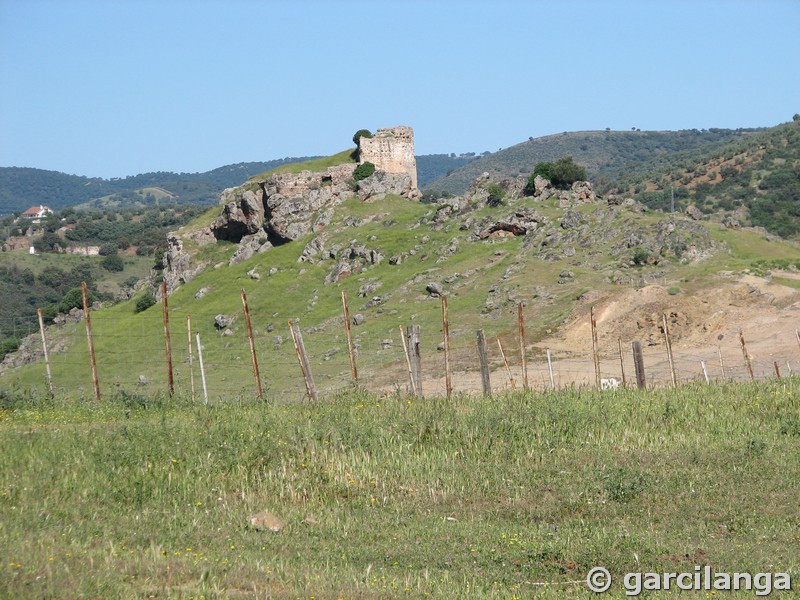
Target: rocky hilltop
(286, 206)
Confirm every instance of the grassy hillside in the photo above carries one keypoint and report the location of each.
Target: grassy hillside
(385, 497)
(484, 281)
(605, 154)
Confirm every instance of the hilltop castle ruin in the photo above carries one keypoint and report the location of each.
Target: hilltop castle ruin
(392, 151)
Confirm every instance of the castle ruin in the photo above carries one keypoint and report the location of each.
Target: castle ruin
(392, 151)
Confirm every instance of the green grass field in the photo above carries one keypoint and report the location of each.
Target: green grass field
(388, 497)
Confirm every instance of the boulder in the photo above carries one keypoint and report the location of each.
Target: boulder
(434, 289)
(694, 212)
(222, 321)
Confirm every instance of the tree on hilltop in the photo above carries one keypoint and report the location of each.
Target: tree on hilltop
(561, 173)
(359, 134)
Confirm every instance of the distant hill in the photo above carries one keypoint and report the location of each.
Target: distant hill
(22, 187)
(605, 154)
(754, 178)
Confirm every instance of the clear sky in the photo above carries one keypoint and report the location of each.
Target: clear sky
(114, 88)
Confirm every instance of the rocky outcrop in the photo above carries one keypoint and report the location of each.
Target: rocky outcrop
(381, 183)
(353, 259)
(179, 268)
(518, 223)
(294, 202)
(242, 214)
(288, 206)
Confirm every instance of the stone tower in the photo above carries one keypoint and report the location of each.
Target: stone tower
(391, 150)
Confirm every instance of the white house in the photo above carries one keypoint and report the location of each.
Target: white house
(37, 213)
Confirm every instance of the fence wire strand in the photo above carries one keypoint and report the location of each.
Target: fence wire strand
(380, 359)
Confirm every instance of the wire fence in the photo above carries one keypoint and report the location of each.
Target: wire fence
(134, 360)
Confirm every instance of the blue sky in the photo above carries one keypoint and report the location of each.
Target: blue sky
(116, 88)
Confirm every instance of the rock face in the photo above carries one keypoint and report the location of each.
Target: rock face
(291, 200)
(392, 151)
(242, 214)
(178, 266)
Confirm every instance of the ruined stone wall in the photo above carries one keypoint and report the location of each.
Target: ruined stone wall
(391, 150)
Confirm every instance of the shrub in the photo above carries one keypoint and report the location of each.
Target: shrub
(107, 249)
(564, 172)
(640, 257)
(145, 301)
(363, 171)
(496, 195)
(7, 346)
(674, 290)
(74, 299)
(112, 262)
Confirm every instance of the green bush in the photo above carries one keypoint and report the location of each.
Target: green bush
(74, 299)
(564, 172)
(640, 257)
(496, 195)
(7, 346)
(363, 171)
(145, 301)
(359, 134)
(112, 262)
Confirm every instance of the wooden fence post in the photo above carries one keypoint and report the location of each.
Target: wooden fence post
(705, 372)
(746, 356)
(638, 363)
(668, 345)
(191, 358)
(302, 357)
(721, 364)
(522, 356)
(505, 362)
(411, 380)
(622, 363)
(253, 358)
(415, 357)
(777, 370)
(550, 368)
(448, 378)
(167, 344)
(88, 321)
(594, 348)
(46, 356)
(348, 330)
(202, 370)
(483, 357)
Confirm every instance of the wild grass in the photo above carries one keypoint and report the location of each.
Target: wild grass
(385, 497)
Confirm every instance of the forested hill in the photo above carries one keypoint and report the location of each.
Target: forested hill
(754, 179)
(22, 187)
(605, 154)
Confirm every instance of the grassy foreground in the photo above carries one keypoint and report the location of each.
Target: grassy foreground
(389, 497)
